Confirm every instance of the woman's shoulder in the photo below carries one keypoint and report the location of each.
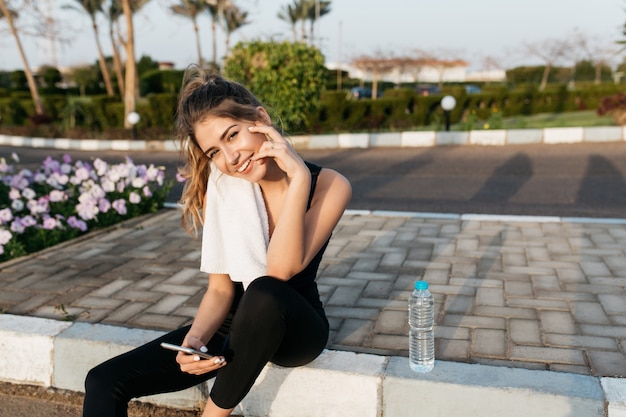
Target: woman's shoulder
(334, 182)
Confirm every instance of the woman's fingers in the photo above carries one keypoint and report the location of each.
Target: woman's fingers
(195, 365)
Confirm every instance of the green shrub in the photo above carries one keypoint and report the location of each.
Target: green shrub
(286, 77)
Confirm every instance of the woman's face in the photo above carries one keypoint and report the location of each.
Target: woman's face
(231, 146)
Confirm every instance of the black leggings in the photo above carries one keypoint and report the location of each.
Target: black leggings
(272, 322)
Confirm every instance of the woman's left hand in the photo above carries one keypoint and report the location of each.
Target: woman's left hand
(279, 148)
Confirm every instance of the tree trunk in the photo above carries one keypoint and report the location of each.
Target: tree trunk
(32, 85)
(214, 33)
(544, 78)
(117, 62)
(103, 66)
(131, 68)
(198, 48)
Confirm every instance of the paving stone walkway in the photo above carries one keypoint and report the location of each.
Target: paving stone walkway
(516, 292)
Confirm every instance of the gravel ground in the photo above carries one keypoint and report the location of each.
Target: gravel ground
(33, 401)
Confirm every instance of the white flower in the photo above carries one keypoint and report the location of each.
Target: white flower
(5, 236)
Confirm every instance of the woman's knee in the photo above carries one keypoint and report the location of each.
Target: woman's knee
(103, 381)
(264, 295)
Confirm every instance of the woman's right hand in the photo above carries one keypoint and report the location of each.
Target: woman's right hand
(194, 364)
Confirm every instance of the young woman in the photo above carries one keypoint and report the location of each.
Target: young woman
(258, 308)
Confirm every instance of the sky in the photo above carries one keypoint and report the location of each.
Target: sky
(472, 30)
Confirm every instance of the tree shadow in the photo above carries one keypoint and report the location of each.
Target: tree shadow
(602, 185)
(506, 180)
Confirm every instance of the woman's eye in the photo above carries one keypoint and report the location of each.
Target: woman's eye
(212, 153)
(232, 136)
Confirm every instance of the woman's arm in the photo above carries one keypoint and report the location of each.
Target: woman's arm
(211, 313)
(300, 234)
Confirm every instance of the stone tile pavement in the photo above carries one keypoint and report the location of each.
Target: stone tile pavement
(521, 292)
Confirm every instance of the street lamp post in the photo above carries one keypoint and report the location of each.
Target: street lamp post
(133, 118)
(447, 104)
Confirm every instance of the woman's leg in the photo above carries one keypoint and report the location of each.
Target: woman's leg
(273, 322)
(148, 369)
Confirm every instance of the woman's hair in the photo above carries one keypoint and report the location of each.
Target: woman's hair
(203, 95)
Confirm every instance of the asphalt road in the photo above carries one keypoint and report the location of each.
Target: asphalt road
(581, 180)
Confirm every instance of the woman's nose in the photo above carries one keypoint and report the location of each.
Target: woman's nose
(231, 154)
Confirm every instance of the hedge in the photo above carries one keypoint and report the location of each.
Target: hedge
(398, 109)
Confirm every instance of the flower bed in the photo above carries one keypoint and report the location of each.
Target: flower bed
(65, 199)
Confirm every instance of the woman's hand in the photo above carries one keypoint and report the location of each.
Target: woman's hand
(194, 364)
(279, 148)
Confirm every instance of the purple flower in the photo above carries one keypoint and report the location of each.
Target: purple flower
(19, 181)
(17, 226)
(49, 223)
(75, 223)
(50, 165)
(104, 205)
(28, 221)
(119, 205)
(147, 192)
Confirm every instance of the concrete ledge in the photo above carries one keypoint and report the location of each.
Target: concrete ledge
(84, 345)
(615, 390)
(354, 140)
(554, 135)
(416, 139)
(524, 136)
(452, 138)
(458, 389)
(385, 139)
(487, 137)
(603, 134)
(55, 353)
(342, 384)
(324, 141)
(26, 349)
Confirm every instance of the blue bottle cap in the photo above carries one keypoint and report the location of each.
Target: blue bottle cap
(421, 285)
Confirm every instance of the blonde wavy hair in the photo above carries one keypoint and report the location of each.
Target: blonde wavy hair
(205, 95)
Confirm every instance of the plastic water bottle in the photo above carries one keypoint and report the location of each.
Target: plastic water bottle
(421, 320)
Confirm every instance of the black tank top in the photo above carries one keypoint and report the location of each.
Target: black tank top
(304, 281)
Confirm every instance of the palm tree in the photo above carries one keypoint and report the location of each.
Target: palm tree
(92, 7)
(291, 15)
(216, 10)
(113, 13)
(10, 15)
(315, 10)
(234, 18)
(130, 81)
(191, 9)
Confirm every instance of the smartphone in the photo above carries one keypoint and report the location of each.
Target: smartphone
(187, 350)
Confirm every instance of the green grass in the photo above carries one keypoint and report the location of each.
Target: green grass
(571, 119)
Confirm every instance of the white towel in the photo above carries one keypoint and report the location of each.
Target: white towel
(235, 235)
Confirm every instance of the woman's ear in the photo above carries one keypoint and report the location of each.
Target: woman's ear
(263, 116)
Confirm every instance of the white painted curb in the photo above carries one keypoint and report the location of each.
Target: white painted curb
(337, 384)
(361, 140)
